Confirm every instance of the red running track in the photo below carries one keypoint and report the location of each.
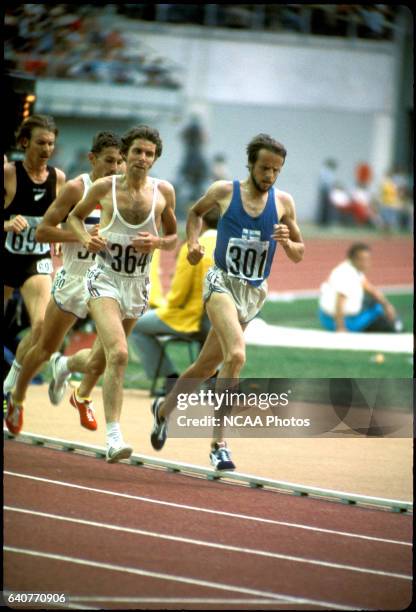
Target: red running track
(392, 263)
(121, 536)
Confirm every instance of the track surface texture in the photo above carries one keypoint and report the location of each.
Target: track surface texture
(128, 537)
(120, 536)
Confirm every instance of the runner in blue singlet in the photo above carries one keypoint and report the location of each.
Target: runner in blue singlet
(255, 218)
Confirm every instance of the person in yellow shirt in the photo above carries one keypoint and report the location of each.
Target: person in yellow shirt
(183, 312)
(156, 297)
(389, 202)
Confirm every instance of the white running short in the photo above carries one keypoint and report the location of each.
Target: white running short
(68, 291)
(248, 299)
(131, 293)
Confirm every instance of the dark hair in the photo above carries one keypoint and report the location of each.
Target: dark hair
(146, 133)
(46, 122)
(331, 163)
(219, 157)
(356, 248)
(264, 141)
(105, 139)
(211, 217)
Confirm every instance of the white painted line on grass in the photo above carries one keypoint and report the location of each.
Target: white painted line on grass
(260, 333)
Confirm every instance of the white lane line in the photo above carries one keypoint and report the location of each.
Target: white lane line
(227, 547)
(183, 579)
(209, 511)
(181, 600)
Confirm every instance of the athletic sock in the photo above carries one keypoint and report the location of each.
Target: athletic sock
(17, 404)
(81, 398)
(11, 378)
(114, 437)
(217, 445)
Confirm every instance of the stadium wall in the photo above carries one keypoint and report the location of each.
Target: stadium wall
(320, 97)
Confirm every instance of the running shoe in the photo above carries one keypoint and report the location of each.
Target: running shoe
(116, 453)
(160, 426)
(86, 412)
(59, 382)
(14, 416)
(220, 457)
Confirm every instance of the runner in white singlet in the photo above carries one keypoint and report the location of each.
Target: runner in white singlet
(134, 206)
(120, 272)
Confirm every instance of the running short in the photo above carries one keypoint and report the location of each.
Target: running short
(132, 294)
(68, 292)
(18, 268)
(248, 299)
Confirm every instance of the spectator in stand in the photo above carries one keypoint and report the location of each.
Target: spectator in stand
(219, 168)
(373, 21)
(363, 199)
(58, 64)
(389, 202)
(113, 40)
(404, 185)
(295, 17)
(341, 205)
(346, 20)
(50, 42)
(194, 170)
(237, 16)
(327, 177)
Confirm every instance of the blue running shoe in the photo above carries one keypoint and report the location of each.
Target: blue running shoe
(220, 457)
